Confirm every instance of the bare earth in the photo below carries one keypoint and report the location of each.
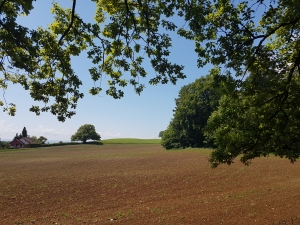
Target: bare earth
(143, 184)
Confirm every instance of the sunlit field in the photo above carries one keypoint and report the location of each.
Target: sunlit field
(143, 184)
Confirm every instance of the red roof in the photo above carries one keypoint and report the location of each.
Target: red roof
(16, 143)
(21, 142)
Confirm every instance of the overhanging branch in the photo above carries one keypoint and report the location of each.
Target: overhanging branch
(70, 25)
(2, 4)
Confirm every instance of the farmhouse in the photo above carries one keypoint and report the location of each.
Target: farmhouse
(21, 143)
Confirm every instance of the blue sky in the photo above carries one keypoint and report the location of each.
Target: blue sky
(130, 117)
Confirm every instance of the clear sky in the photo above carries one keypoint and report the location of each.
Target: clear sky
(132, 116)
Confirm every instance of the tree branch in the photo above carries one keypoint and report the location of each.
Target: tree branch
(293, 22)
(70, 25)
(146, 15)
(131, 14)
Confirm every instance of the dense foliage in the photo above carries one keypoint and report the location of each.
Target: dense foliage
(255, 123)
(194, 105)
(84, 133)
(255, 41)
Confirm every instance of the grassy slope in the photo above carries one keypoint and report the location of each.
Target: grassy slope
(131, 141)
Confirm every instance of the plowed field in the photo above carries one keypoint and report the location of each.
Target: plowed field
(143, 184)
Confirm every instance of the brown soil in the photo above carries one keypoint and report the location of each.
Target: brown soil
(143, 184)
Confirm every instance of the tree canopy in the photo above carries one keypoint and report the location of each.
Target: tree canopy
(256, 42)
(84, 133)
(256, 123)
(194, 105)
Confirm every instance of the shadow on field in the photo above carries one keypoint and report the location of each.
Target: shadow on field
(65, 143)
(92, 143)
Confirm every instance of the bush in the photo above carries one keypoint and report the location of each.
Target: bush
(169, 140)
(4, 145)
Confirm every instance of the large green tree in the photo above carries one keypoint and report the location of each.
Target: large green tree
(194, 105)
(84, 133)
(256, 122)
(256, 41)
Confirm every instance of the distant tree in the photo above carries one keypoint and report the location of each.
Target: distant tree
(161, 133)
(84, 133)
(4, 144)
(34, 139)
(42, 140)
(24, 132)
(16, 137)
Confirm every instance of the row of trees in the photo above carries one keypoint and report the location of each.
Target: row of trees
(22, 134)
(255, 42)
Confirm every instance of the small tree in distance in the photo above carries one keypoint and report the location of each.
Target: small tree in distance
(84, 133)
(42, 140)
(24, 132)
(161, 133)
(34, 139)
